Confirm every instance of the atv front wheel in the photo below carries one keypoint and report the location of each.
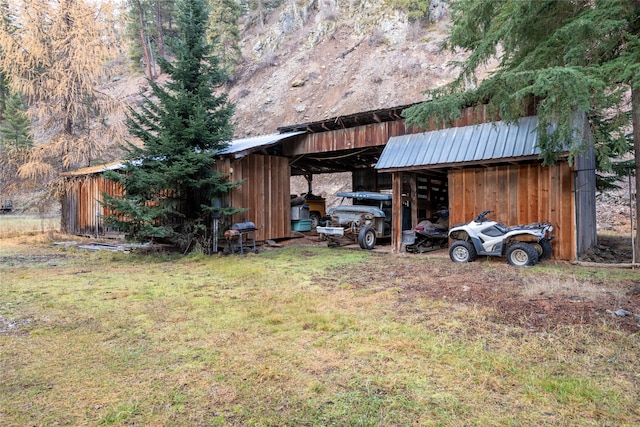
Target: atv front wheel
(522, 255)
(462, 251)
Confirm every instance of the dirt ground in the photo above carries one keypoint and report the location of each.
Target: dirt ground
(593, 295)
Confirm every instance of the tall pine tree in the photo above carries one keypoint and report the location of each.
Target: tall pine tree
(16, 143)
(170, 182)
(15, 129)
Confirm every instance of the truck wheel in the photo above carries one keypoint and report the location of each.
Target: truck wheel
(462, 251)
(315, 220)
(543, 247)
(367, 237)
(522, 255)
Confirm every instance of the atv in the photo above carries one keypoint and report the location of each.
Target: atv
(522, 245)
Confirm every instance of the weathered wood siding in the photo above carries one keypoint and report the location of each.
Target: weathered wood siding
(518, 194)
(371, 135)
(265, 193)
(82, 212)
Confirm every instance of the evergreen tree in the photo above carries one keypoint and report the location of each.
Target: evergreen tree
(15, 144)
(149, 23)
(15, 129)
(224, 32)
(170, 182)
(572, 55)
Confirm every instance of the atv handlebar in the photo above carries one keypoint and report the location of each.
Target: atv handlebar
(481, 217)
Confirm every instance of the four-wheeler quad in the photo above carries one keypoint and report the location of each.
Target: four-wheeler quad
(522, 245)
(362, 216)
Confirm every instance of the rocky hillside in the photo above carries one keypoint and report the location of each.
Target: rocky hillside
(316, 59)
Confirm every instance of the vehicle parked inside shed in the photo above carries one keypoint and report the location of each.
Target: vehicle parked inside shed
(522, 245)
(316, 206)
(362, 216)
(429, 235)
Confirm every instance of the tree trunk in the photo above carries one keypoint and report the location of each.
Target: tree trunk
(143, 40)
(635, 117)
(160, 25)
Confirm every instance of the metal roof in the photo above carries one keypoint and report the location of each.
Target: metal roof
(482, 143)
(238, 148)
(350, 120)
(241, 147)
(95, 169)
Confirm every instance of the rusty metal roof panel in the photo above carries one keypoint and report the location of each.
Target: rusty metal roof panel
(468, 144)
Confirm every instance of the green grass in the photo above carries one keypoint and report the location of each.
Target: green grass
(284, 338)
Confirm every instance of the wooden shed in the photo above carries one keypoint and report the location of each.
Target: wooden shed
(264, 194)
(492, 166)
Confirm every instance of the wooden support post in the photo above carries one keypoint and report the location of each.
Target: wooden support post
(413, 199)
(396, 220)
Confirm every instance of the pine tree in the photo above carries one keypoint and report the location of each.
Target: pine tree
(572, 55)
(15, 144)
(15, 129)
(224, 32)
(170, 182)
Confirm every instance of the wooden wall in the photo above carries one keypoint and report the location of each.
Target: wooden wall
(81, 211)
(265, 193)
(371, 135)
(518, 194)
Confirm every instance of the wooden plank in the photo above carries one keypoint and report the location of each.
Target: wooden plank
(413, 183)
(396, 220)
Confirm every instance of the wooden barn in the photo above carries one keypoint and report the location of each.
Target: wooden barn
(474, 166)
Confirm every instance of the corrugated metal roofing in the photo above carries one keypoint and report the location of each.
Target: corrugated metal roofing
(95, 169)
(241, 147)
(238, 147)
(478, 143)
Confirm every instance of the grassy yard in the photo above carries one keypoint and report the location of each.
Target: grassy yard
(290, 337)
(16, 225)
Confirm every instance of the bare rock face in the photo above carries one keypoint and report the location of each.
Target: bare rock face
(314, 59)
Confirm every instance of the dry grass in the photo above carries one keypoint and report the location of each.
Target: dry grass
(284, 338)
(14, 225)
(557, 285)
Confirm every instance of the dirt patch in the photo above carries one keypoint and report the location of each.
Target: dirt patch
(537, 301)
(18, 260)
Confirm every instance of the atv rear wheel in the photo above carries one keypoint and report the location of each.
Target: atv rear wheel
(462, 251)
(522, 255)
(367, 237)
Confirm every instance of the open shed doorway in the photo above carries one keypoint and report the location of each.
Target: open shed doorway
(425, 195)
